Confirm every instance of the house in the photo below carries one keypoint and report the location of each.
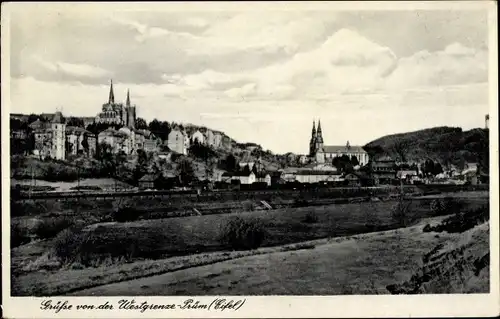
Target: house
(470, 167)
(406, 174)
(245, 177)
(38, 125)
(178, 141)
(80, 141)
(150, 145)
(210, 138)
(245, 164)
(315, 176)
(263, 177)
(383, 170)
(352, 180)
(288, 174)
(217, 140)
(198, 137)
(147, 181)
(303, 159)
(321, 167)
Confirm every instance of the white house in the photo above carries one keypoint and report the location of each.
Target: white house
(244, 178)
(178, 141)
(198, 137)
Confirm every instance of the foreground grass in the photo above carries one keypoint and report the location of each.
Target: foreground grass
(35, 273)
(363, 264)
(45, 283)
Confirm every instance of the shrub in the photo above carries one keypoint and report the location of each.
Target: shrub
(240, 233)
(400, 213)
(125, 214)
(18, 235)
(49, 228)
(310, 218)
(94, 248)
(67, 245)
(447, 205)
(427, 228)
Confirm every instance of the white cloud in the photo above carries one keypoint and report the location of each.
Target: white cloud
(456, 64)
(73, 69)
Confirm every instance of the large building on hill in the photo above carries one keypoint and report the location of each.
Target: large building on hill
(320, 153)
(117, 113)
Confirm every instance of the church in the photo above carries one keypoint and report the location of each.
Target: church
(320, 153)
(117, 113)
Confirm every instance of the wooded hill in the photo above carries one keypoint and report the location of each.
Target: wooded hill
(446, 145)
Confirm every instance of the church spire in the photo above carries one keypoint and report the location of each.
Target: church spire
(319, 134)
(111, 94)
(314, 129)
(128, 97)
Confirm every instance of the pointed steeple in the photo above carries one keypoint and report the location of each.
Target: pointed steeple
(111, 99)
(319, 134)
(314, 129)
(128, 97)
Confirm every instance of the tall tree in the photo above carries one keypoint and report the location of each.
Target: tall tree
(185, 171)
(230, 163)
(140, 123)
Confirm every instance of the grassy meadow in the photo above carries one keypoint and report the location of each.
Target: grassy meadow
(129, 250)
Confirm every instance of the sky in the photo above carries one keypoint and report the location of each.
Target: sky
(260, 76)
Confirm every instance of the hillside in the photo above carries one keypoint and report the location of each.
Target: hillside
(447, 145)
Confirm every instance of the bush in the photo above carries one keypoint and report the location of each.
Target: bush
(427, 228)
(18, 235)
(462, 221)
(240, 233)
(444, 206)
(310, 218)
(92, 248)
(125, 214)
(400, 213)
(49, 228)
(67, 245)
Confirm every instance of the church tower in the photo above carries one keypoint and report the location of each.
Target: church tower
(130, 111)
(312, 142)
(319, 138)
(111, 99)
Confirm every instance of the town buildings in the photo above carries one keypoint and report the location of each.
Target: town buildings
(320, 153)
(57, 140)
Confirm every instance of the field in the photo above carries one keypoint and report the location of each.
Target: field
(130, 250)
(364, 264)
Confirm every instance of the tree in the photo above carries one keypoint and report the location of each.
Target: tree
(354, 161)
(140, 123)
(75, 121)
(160, 128)
(69, 146)
(342, 162)
(85, 143)
(401, 148)
(230, 163)
(437, 169)
(185, 171)
(428, 168)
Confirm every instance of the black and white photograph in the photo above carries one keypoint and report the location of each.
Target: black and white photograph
(261, 152)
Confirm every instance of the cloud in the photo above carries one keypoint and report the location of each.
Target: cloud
(456, 64)
(72, 69)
